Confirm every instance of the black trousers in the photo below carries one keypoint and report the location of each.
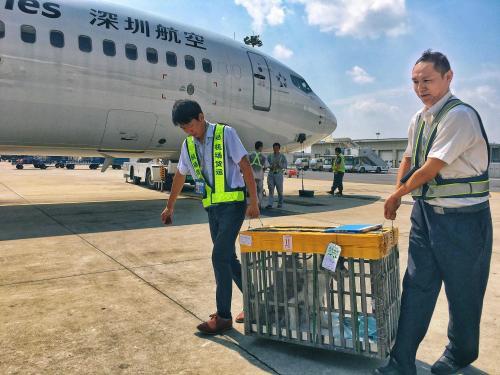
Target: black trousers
(338, 178)
(225, 222)
(453, 248)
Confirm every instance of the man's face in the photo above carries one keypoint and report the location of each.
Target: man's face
(276, 149)
(196, 127)
(428, 83)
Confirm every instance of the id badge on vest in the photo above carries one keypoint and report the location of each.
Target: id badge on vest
(200, 187)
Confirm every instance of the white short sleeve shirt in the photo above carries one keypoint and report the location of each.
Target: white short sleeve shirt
(234, 151)
(459, 143)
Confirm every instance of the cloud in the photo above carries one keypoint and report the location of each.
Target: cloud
(372, 106)
(357, 18)
(281, 52)
(359, 75)
(271, 12)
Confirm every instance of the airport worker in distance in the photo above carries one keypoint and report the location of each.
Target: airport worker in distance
(445, 168)
(214, 155)
(338, 172)
(277, 165)
(259, 163)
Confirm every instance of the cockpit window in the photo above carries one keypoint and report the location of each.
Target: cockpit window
(28, 34)
(301, 84)
(2, 29)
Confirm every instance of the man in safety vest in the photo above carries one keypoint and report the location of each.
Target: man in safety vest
(258, 161)
(445, 168)
(338, 172)
(277, 164)
(215, 157)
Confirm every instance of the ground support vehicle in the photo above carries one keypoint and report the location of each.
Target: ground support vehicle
(155, 174)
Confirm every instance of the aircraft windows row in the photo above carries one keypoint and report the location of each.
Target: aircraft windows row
(2, 29)
(28, 35)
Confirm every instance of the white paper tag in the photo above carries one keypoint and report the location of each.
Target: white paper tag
(332, 256)
(287, 243)
(245, 240)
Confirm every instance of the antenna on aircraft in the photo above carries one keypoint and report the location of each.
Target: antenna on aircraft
(253, 40)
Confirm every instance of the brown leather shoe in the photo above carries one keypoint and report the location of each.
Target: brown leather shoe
(240, 318)
(215, 325)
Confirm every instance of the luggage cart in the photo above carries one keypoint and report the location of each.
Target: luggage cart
(289, 297)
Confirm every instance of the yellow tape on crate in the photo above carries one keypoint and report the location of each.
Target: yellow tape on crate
(370, 245)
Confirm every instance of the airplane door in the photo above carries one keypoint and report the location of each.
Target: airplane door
(128, 130)
(261, 82)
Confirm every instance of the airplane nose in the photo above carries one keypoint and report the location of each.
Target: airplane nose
(330, 121)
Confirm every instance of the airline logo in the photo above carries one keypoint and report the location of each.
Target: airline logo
(112, 21)
(46, 9)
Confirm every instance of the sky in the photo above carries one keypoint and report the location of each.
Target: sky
(357, 55)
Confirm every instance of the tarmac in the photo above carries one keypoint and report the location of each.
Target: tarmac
(91, 281)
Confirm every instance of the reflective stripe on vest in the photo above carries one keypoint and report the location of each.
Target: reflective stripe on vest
(256, 159)
(220, 192)
(476, 186)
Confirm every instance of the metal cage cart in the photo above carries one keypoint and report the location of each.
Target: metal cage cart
(288, 296)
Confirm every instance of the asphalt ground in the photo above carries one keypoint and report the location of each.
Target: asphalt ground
(91, 282)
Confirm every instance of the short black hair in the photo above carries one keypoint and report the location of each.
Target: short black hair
(276, 144)
(258, 145)
(439, 61)
(338, 149)
(184, 111)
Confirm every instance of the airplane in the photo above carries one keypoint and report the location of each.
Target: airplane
(91, 78)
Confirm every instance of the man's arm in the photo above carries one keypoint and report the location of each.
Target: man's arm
(246, 170)
(177, 184)
(284, 162)
(423, 175)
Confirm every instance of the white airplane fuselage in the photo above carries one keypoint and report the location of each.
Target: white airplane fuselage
(64, 101)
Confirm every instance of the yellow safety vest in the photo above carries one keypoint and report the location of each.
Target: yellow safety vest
(341, 167)
(476, 186)
(220, 192)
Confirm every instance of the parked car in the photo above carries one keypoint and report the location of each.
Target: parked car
(292, 172)
(328, 165)
(363, 165)
(316, 164)
(302, 163)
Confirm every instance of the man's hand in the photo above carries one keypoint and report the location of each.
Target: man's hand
(391, 206)
(167, 215)
(253, 211)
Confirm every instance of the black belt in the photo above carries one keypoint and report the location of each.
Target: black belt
(459, 210)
